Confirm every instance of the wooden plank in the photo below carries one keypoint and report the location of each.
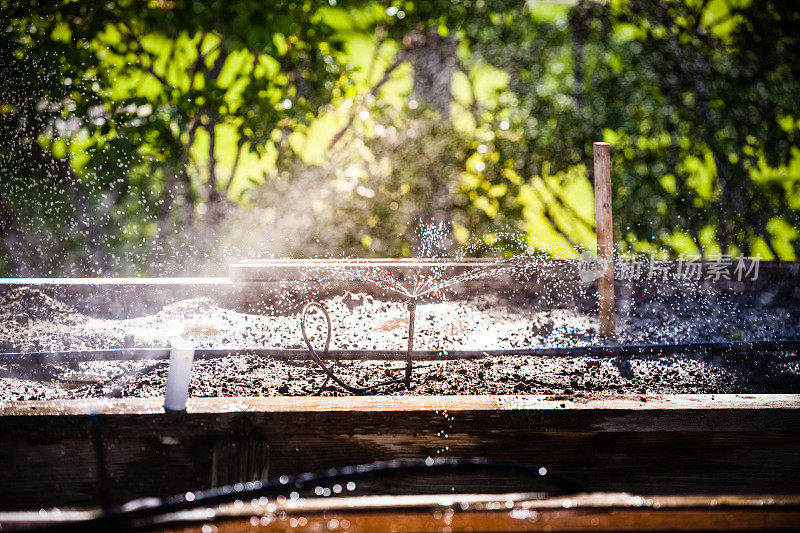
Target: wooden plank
(125, 297)
(605, 237)
(292, 270)
(538, 403)
(673, 444)
(118, 282)
(480, 512)
(550, 269)
(511, 512)
(533, 501)
(160, 461)
(256, 283)
(509, 520)
(323, 269)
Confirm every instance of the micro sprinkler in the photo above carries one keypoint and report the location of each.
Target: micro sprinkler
(421, 288)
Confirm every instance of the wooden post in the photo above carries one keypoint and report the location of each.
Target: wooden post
(605, 237)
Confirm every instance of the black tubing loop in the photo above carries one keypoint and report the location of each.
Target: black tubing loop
(318, 359)
(137, 513)
(329, 330)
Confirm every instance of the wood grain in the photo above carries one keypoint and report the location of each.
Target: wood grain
(668, 444)
(265, 282)
(542, 404)
(605, 237)
(479, 512)
(522, 520)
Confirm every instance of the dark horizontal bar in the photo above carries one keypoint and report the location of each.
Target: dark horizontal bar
(613, 350)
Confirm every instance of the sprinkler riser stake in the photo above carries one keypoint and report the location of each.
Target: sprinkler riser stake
(181, 358)
(412, 311)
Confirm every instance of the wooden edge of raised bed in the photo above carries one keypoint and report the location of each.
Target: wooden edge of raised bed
(676, 412)
(455, 403)
(602, 500)
(119, 282)
(258, 282)
(479, 512)
(696, 518)
(552, 269)
(690, 444)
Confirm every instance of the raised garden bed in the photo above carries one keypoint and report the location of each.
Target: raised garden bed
(699, 421)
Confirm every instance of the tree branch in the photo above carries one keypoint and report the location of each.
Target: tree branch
(399, 59)
(213, 193)
(239, 148)
(141, 52)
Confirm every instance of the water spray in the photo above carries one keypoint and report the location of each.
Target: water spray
(421, 287)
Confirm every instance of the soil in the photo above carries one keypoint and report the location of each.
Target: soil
(32, 321)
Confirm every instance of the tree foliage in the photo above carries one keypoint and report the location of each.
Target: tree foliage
(103, 103)
(128, 126)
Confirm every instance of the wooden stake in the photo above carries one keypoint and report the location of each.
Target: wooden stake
(605, 237)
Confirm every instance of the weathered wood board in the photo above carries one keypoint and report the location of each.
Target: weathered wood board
(677, 444)
(257, 282)
(590, 512)
(475, 512)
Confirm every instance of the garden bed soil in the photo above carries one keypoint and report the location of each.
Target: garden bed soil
(32, 321)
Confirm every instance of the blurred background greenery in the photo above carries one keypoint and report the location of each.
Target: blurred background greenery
(169, 136)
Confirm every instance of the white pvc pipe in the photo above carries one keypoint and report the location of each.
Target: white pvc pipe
(180, 367)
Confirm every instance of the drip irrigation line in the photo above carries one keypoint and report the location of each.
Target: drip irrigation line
(318, 359)
(118, 389)
(146, 511)
(608, 350)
